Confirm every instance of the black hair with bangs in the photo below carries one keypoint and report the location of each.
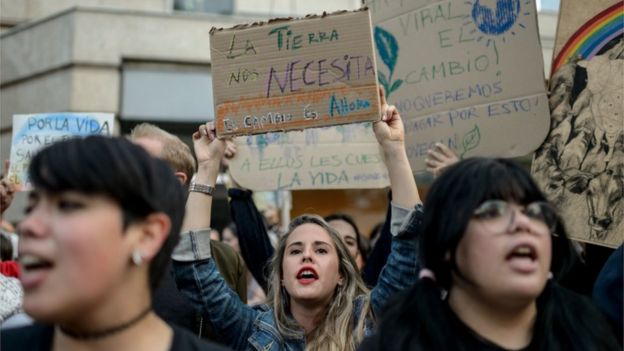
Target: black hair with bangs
(420, 318)
(462, 188)
(120, 170)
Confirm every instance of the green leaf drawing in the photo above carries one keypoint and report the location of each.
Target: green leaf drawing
(387, 47)
(383, 81)
(471, 140)
(397, 83)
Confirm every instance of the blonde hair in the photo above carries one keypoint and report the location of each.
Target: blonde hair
(175, 152)
(335, 331)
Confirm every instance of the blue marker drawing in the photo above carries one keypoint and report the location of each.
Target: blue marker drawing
(60, 124)
(388, 50)
(498, 21)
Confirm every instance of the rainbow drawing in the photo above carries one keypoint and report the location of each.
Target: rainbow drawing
(593, 35)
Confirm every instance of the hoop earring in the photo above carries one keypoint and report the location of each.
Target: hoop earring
(137, 257)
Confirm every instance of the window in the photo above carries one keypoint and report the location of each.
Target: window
(548, 5)
(211, 6)
(166, 92)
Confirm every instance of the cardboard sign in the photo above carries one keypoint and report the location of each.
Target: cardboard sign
(33, 132)
(294, 74)
(468, 74)
(339, 157)
(580, 166)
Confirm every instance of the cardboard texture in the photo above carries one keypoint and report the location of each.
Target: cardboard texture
(294, 74)
(335, 157)
(33, 132)
(580, 166)
(468, 74)
(339, 157)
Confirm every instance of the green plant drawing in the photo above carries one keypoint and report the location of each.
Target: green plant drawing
(388, 50)
(471, 140)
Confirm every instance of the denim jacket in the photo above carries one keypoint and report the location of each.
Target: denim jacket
(254, 328)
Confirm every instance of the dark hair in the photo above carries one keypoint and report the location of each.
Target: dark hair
(6, 248)
(420, 319)
(122, 171)
(361, 244)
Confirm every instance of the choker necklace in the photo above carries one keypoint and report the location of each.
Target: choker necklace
(98, 334)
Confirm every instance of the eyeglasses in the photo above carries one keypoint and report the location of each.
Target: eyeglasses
(499, 214)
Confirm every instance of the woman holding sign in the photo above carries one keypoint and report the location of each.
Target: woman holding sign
(317, 299)
(493, 249)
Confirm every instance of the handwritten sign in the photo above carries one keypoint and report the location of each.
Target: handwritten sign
(33, 132)
(580, 166)
(294, 74)
(468, 74)
(338, 157)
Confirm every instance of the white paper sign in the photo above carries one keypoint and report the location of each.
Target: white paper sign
(33, 132)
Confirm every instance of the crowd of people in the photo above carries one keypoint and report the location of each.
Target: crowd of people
(116, 252)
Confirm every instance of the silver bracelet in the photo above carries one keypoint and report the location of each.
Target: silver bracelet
(202, 188)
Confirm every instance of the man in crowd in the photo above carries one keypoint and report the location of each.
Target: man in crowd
(169, 303)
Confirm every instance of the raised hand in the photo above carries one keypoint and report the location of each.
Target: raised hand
(389, 131)
(206, 144)
(439, 158)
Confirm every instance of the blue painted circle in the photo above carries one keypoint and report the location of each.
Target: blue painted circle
(496, 21)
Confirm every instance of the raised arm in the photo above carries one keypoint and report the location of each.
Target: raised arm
(391, 136)
(401, 269)
(195, 270)
(209, 150)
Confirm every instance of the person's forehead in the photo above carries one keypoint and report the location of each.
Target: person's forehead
(343, 227)
(309, 233)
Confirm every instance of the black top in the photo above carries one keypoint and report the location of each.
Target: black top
(38, 337)
(458, 330)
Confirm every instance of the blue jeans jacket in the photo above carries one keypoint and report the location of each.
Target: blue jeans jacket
(254, 328)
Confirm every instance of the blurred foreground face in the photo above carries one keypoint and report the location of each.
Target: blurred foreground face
(310, 265)
(504, 256)
(230, 239)
(73, 252)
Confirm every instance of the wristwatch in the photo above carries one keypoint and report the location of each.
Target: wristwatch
(202, 188)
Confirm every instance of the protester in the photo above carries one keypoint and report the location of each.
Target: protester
(11, 293)
(490, 246)
(7, 193)
(8, 266)
(100, 226)
(317, 299)
(255, 293)
(608, 291)
(257, 250)
(350, 233)
(169, 303)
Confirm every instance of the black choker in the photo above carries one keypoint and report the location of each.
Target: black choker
(92, 335)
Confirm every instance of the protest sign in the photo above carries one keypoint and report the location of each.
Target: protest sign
(580, 166)
(468, 74)
(294, 74)
(33, 132)
(339, 157)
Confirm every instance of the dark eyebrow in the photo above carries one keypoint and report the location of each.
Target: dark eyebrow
(321, 243)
